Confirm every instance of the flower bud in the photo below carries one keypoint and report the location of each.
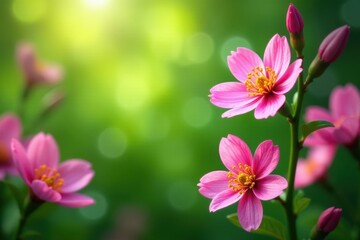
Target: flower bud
(329, 219)
(327, 222)
(294, 20)
(295, 25)
(329, 50)
(333, 45)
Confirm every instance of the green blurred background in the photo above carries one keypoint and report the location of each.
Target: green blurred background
(136, 84)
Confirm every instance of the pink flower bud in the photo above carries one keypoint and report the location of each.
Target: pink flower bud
(329, 219)
(333, 45)
(294, 20)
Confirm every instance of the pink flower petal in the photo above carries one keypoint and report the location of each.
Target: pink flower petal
(242, 61)
(22, 162)
(213, 183)
(286, 82)
(345, 101)
(250, 212)
(42, 191)
(242, 108)
(51, 74)
(277, 55)
(229, 94)
(318, 160)
(224, 199)
(10, 127)
(266, 158)
(43, 150)
(314, 113)
(304, 176)
(233, 151)
(75, 200)
(76, 174)
(269, 187)
(347, 132)
(269, 106)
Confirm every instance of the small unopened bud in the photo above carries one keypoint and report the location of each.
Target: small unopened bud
(330, 49)
(329, 219)
(333, 45)
(295, 25)
(294, 20)
(327, 222)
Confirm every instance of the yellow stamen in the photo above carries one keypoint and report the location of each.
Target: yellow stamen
(258, 83)
(50, 176)
(241, 178)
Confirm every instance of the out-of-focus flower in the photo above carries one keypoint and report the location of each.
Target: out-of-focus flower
(344, 114)
(247, 180)
(10, 128)
(315, 166)
(33, 70)
(329, 219)
(48, 180)
(330, 49)
(262, 83)
(295, 25)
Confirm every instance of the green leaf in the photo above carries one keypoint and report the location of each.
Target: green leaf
(300, 202)
(16, 193)
(233, 218)
(269, 226)
(311, 127)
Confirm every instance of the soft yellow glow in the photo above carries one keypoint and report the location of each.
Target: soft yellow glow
(29, 11)
(167, 26)
(139, 82)
(96, 3)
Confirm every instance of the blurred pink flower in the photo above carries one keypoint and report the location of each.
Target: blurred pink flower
(33, 70)
(39, 167)
(263, 83)
(315, 166)
(10, 128)
(247, 181)
(344, 114)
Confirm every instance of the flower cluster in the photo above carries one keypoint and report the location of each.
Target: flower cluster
(262, 86)
(35, 157)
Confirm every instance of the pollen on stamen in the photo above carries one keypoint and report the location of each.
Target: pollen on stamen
(259, 83)
(241, 178)
(51, 177)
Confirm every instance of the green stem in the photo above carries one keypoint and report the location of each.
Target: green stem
(295, 147)
(31, 205)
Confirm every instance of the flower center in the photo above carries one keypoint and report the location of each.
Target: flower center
(50, 176)
(4, 155)
(241, 178)
(258, 83)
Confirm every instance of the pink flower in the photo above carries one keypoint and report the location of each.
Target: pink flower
(33, 70)
(334, 43)
(294, 20)
(315, 166)
(10, 128)
(262, 83)
(48, 180)
(344, 114)
(247, 180)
